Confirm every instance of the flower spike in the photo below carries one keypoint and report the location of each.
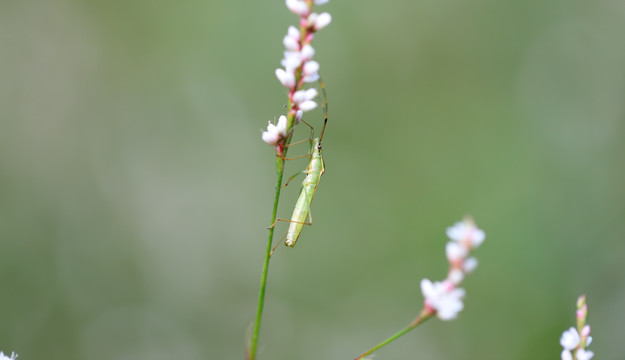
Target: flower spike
(575, 341)
(444, 298)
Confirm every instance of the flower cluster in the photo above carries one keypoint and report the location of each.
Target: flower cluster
(6, 357)
(444, 298)
(299, 66)
(576, 340)
(275, 133)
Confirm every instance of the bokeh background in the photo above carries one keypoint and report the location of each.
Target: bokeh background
(135, 191)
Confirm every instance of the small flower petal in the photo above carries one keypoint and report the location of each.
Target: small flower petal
(582, 354)
(274, 134)
(287, 78)
(311, 93)
(299, 96)
(6, 357)
(304, 95)
(290, 43)
(270, 138)
(456, 276)
(321, 2)
(281, 128)
(298, 116)
(310, 71)
(311, 67)
(427, 288)
(451, 305)
(298, 7)
(291, 60)
(307, 52)
(311, 78)
(445, 300)
(455, 251)
(566, 355)
(322, 20)
(466, 231)
(570, 339)
(469, 265)
(307, 105)
(293, 32)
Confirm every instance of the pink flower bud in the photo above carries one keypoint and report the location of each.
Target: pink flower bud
(298, 116)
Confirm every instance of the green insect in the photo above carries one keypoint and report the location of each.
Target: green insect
(313, 173)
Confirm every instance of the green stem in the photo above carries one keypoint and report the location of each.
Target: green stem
(263, 280)
(424, 315)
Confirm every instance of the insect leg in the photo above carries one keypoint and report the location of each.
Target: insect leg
(309, 140)
(293, 177)
(278, 243)
(291, 221)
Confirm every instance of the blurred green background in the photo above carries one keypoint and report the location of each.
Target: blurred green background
(135, 190)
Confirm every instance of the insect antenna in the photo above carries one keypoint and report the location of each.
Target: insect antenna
(324, 106)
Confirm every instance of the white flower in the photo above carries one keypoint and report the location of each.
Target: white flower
(303, 99)
(321, 2)
(566, 355)
(274, 134)
(318, 21)
(575, 342)
(466, 231)
(298, 7)
(582, 354)
(456, 276)
(443, 297)
(570, 339)
(455, 251)
(292, 38)
(5, 357)
(304, 95)
(291, 60)
(290, 43)
(307, 105)
(307, 52)
(469, 265)
(287, 78)
(293, 32)
(322, 20)
(271, 136)
(310, 72)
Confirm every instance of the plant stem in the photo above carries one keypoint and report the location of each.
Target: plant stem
(424, 315)
(263, 280)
